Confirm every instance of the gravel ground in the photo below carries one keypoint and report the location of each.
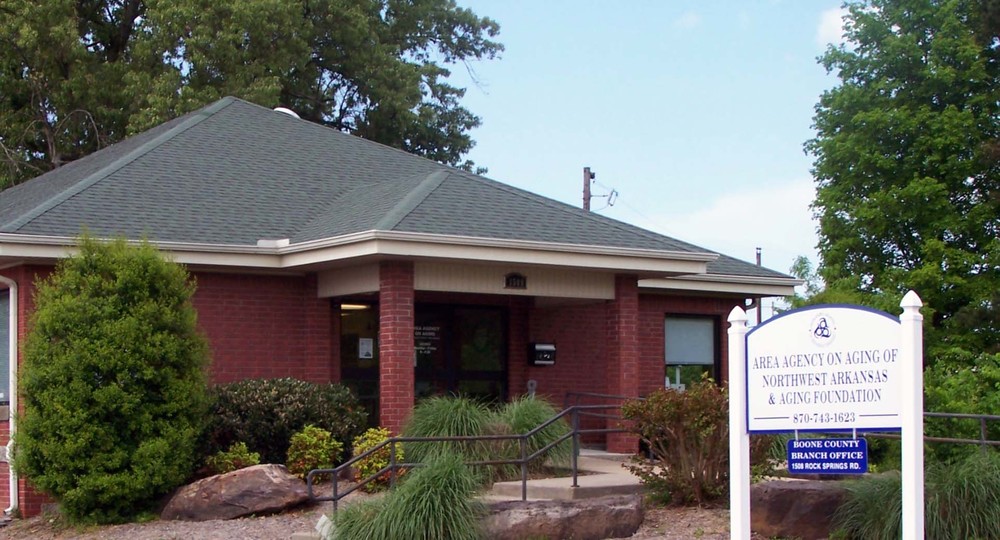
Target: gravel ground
(662, 523)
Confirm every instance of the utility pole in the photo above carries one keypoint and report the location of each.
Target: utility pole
(587, 177)
(760, 301)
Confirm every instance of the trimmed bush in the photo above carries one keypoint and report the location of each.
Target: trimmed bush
(265, 413)
(436, 501)
(687, 433)
(236, 457)
(113, 382)
(312, 448)
(526, 413)
(962, 500)
(379, 460)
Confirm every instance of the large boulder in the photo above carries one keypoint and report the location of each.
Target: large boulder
(261, 489)
(581, 519)
(795, 509)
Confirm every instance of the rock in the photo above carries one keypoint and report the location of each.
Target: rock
(580, 519)
(261, 489)
(794, 509)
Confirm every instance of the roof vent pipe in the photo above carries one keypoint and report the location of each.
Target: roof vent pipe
(287, 111)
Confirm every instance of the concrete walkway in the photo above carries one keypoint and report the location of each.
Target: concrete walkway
(602, 474)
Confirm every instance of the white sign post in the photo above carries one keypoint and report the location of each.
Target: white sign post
(739, 436)
(822, 369)
(911, 349)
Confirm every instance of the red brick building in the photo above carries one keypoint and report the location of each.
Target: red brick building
(326, 257)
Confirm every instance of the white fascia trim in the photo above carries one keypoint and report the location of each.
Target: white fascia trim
(389, 243)
(721, 283)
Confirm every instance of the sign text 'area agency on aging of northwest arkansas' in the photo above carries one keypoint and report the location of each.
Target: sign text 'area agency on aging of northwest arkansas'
(824, 368)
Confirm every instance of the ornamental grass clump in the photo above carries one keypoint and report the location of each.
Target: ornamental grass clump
(451, 417)
(526, 413)
(962, 500)
(436, 501)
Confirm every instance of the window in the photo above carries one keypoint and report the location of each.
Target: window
(690, 349)
(5, 338)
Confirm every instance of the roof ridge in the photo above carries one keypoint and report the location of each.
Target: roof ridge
(592, 216)
(196, 118)
(412, 200)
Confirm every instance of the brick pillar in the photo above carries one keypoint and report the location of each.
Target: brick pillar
(396, 352)
(623, 353)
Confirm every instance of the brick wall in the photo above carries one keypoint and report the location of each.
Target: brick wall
(265, 326)
(652, 311)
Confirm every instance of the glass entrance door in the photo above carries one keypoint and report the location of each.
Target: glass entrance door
(461, 350)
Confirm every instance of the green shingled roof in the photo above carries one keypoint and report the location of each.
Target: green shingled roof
(233, 173)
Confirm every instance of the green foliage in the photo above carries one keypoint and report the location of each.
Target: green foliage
(312, 448)
(526, 413)
(375, 68)
(265, 413)
(450, 417)
(436, 501)
(906, 163)
(378, 460)
(961, 382)
(687, 433)
(113, 382)
(236, 457)
(962, 500)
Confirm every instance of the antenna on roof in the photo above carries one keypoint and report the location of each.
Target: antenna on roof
(287, 111)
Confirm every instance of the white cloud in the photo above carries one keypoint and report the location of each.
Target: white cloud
(831, 27)
(688, 20)
(776, 218)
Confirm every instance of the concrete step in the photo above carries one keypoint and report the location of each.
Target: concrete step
(588, 486)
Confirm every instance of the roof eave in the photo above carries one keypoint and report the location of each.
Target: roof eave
(389, 244)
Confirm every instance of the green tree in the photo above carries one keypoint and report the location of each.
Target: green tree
(78, 75)
(908, 194)
(113, 382)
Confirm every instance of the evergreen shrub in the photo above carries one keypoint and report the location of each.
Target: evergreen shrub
(113, 382)
(236, 457)
(312, 448)
(265, 413)
(378, 460)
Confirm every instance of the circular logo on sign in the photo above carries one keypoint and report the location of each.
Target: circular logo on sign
(822, 329)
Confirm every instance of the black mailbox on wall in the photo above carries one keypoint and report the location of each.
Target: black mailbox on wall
(542, 354)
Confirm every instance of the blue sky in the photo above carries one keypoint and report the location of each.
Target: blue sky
(694, 112)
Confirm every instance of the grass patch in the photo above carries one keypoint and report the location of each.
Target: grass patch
(962, 500)
(436, 501)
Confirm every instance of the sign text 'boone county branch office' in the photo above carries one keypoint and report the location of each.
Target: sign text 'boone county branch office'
(824, 368)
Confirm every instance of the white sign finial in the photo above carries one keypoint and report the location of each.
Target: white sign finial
(737, 314)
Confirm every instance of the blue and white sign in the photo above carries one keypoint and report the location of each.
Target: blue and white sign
(824, 368)
(827, 456)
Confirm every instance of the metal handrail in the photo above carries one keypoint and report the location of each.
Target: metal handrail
(574, 412)
(575, 431)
